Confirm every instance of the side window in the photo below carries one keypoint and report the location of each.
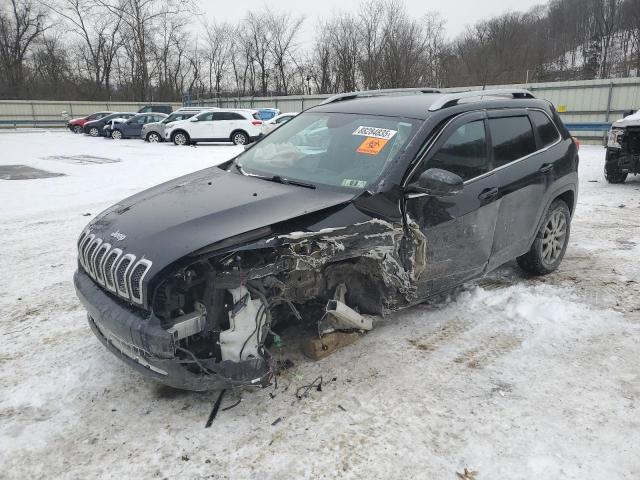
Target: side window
(464, 152)
(218, 116)
(283, 119)
(547, 131)
(141, 120)
(512, 138)
(235, 116)
(206, 117)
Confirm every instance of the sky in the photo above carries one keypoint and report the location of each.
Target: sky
(457, 13)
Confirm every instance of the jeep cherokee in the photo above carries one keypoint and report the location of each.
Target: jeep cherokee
(370, 202)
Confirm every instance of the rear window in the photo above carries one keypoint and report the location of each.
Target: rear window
(512, 138)
(547, 131)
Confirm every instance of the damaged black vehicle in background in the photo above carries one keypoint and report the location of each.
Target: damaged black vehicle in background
(366, 204)
(623, 149)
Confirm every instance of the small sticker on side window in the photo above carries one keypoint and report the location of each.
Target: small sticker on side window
(348, 182)
(372, 146)
(375, 132)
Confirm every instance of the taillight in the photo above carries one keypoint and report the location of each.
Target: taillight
(576, 140)
(256, 122)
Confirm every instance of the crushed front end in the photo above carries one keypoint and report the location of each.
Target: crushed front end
(204, 322)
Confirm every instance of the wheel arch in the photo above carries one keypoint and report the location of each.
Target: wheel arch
(240, 130)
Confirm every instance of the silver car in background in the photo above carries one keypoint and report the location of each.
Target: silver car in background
(154, 132)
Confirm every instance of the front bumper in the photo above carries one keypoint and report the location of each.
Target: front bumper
(145, 346)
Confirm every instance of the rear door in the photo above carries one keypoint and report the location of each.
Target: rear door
(133, 127)
(459, 229)
(520, 142)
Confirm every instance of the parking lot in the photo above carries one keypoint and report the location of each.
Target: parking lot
(512, 377)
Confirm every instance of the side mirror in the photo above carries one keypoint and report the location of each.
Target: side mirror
(195, 119)
(436, 182)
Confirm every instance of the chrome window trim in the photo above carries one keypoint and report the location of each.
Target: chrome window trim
(496, 169)
(118, 253)
(124, 293)
(142, 261)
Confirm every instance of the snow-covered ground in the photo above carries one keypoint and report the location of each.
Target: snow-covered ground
(513, 377)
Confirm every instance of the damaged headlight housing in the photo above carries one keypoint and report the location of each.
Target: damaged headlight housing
(615, 135)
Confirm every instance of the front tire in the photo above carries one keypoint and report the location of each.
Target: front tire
(116, 134)
(615, 177)
(153, 137)
(180, 138)
(240, 138)
(77, 129)
(550, 244)
(94, 132)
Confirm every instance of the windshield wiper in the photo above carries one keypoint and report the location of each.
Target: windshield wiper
(275, 178)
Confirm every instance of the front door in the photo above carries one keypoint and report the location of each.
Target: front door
(206, 127)
(459, 229)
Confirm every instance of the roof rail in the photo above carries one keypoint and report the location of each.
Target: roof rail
(377, 93)
(451, 99)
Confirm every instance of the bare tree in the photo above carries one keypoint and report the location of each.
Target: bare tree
(98, 30)
(21, 23)
(283, 28)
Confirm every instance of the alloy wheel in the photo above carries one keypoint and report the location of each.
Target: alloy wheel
(239, 138)
(94, 132)
(554, 237)
(153, 138)
(180, 139)
(116, 135)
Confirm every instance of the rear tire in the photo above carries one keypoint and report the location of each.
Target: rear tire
(548, 248)
(615, 177)
(239, 138)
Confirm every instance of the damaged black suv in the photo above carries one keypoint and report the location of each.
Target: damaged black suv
(365, 204)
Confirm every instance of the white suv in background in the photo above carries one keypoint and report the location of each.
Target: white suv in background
(221, 125)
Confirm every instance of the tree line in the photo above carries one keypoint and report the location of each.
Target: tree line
(147, 50)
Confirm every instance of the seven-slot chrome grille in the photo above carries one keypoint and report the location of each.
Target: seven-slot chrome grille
(117, 272)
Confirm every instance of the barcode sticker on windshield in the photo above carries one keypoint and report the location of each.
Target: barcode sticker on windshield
(375, 132)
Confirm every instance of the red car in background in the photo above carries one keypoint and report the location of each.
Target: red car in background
(76, 124)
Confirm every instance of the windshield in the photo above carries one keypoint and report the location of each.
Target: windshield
(335, 149)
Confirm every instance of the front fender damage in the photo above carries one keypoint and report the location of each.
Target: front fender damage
(237, 297)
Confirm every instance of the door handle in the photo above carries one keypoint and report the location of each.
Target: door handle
(488, 193)
(546, 167)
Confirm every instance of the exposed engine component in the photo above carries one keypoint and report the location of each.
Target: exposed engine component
(247, 319)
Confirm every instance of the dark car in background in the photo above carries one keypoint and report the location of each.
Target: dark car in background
(95, 128)
(76, 124)
(132, 127)
(166, 109)
(368, 203)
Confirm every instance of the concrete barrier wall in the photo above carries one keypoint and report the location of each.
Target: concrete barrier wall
(42, 113)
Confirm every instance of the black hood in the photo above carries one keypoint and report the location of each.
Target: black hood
(176, 218)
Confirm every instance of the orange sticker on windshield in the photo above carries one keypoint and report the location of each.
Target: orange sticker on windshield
(372, 146)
